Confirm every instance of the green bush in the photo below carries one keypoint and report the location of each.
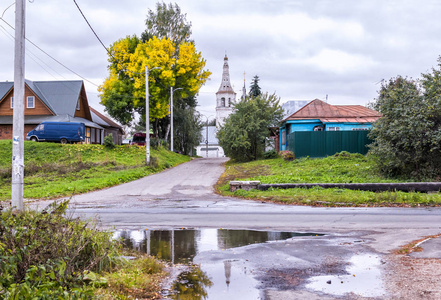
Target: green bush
(270, 154)
(108, 141)
(44, 255)
(155, 143)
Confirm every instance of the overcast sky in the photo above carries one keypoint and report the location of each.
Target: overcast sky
(300, 49)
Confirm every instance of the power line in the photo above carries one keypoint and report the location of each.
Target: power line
(90, 26)
(98, 38)
(53, 58)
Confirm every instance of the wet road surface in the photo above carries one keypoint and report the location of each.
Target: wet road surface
(183, 197)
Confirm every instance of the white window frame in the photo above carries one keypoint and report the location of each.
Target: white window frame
(12, 102)
(334, 128)
(78, 105)
(360, 129)
(33, 101)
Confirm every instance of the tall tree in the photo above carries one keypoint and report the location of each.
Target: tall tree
(244, 133)
(255, 88)
(407, 138)
(167, 22)
(123, 92)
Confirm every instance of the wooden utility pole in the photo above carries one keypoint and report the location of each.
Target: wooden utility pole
(18, 107)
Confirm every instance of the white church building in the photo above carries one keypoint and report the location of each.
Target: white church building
(225, 98)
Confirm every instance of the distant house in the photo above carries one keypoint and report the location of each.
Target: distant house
(321, 116)
(209, 145)
(56, 101)
(110, 127)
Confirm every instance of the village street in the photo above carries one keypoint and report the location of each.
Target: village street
(183, 197)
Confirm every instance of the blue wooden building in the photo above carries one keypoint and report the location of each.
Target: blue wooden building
(321, 116)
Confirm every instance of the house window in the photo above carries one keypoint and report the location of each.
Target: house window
(360, 129)
(333, 128)
(12, 102)
(30, 102)
(78, 104)
(318, 128)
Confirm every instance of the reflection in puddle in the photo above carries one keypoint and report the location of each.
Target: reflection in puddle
(364, 278)
(181, 245)
(214, 280)
(191, 284)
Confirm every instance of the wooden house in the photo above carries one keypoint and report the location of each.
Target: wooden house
(56, 101)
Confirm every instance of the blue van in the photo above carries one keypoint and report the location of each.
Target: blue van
(63, 132)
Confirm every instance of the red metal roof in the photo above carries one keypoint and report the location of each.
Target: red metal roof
(328, 113)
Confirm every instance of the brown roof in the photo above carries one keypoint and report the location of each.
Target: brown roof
(317, 109)
(105, 119)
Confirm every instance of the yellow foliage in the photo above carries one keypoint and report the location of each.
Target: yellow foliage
(165, 69)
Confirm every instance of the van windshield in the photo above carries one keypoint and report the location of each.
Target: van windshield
(138, 139)
(39, 127)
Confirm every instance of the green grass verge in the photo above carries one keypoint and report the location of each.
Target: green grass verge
(54, 170)
(340, 168)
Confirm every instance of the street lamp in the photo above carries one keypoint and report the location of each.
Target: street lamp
(147, 115)
(206, 136)
(171, 116)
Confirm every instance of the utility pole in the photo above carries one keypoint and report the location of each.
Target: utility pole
(171, 116)
(206, 140)
(147, 115)
(18, 107)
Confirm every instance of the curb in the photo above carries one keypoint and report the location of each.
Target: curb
(423, 187)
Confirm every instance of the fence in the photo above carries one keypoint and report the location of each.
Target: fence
(325, 143)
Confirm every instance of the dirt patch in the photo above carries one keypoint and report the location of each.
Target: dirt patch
(413, 278)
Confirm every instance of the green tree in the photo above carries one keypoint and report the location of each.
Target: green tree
(407, 138)
(187, 134)
(244, 133)
(167, 22)
(165, 44)
(255, 88)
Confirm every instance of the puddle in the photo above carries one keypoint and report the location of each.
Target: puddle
(181, 245)
(363, 278)
(214, 280)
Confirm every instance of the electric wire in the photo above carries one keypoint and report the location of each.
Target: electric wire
(39, 48)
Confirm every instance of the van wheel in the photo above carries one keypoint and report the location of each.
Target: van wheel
(63, 141)
(34, 139)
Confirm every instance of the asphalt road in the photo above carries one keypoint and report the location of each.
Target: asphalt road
(183, 197)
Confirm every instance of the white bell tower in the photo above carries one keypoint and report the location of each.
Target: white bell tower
(225, 96)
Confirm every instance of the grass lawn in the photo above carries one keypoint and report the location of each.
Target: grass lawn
(54, 170)
(340, 168)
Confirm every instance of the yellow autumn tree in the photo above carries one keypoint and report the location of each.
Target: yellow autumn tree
(123, 91)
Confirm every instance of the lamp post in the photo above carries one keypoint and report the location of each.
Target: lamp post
(147, 115)
(206, 135)
(171, 116)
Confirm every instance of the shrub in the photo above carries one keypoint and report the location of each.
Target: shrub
(270, 154)
(108, 141)
(155, 143)
(47, 256)
(287, 155)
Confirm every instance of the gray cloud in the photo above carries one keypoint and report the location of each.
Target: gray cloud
(300, 49)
